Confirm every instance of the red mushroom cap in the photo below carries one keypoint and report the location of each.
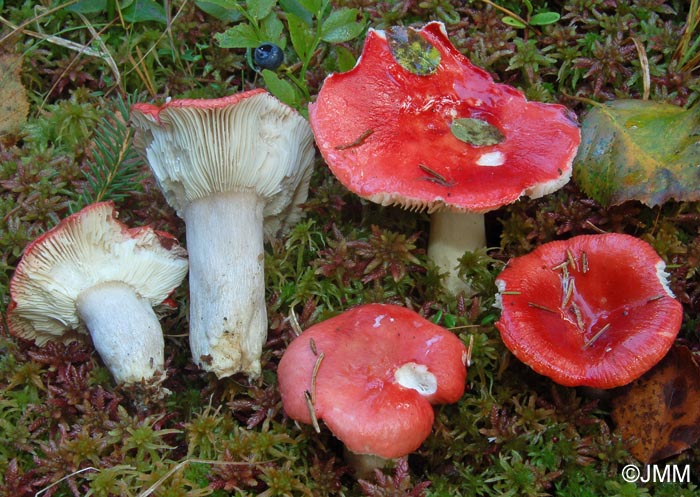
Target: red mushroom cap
(441, 135)
(594, 310)
(197, 103)
(358, 389)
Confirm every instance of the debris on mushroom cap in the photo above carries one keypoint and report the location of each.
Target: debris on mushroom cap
(84, 250)
(372, 373)
(414, 123)
(248, 141)
(594, 310)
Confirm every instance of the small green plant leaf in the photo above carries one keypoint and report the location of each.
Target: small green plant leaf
(260, 9)
(450, 320)
(280, 88)
(223, 10)
(239, 36)
(344, 58)
(341, 26)
(544, 18)
(295, 7)
(88, 6)
(273, 30)
(639, 150)
(476, 132)
(413, 52)
(144, 11)
(115, 172)
(303, 38)
(313, 6)
(512, 21)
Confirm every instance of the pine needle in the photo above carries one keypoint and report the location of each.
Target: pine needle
(116, 171)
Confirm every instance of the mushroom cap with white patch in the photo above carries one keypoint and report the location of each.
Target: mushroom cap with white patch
(371, 374)
(247, 142)
(400, 136)
(88, 248)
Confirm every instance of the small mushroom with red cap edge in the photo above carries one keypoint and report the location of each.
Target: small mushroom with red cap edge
(372, 374)
(594, 310)
(93, 274)
(235, 169)
(416, 124)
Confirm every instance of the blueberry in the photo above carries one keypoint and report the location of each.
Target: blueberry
(268, 56)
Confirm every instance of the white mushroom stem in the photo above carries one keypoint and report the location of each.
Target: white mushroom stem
(364, 464)
(124, 329)
(228, 318)
(451, 235)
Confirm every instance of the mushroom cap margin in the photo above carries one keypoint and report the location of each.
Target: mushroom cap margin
(624, 285)
(248, 141)
(85, 249)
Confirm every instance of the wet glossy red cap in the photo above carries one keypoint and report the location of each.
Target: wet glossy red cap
(379, 369)
(431, 130)
(593, 311)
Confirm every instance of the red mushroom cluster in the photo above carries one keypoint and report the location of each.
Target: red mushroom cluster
(414, 124)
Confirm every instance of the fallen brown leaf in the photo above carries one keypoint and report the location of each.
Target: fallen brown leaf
(659, 414)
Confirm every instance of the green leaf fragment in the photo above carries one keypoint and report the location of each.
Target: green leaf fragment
(259, 9)
(544, 18)
(413, 52)
(302, 36)
(224, 10)
(345, 58)
(313, 6)
(280, 88)
(476, 132)
(144, 11)
(512, 21)
(340, 26)
(296, 8)
(639, 150)
(87, 6)
(273, 30)
(240, 36)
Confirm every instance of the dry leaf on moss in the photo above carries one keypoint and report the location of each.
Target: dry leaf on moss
(659, 414)
(14, 106)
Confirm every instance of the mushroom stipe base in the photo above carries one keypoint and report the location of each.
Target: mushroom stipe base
(228, 319)
(125, 331)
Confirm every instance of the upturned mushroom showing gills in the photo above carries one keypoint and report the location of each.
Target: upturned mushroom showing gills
(372, 374)
(92, 274)
(416, 124)
(594, 310)
(235, 169)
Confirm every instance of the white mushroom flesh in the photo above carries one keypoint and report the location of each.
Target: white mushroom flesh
(416, 377)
